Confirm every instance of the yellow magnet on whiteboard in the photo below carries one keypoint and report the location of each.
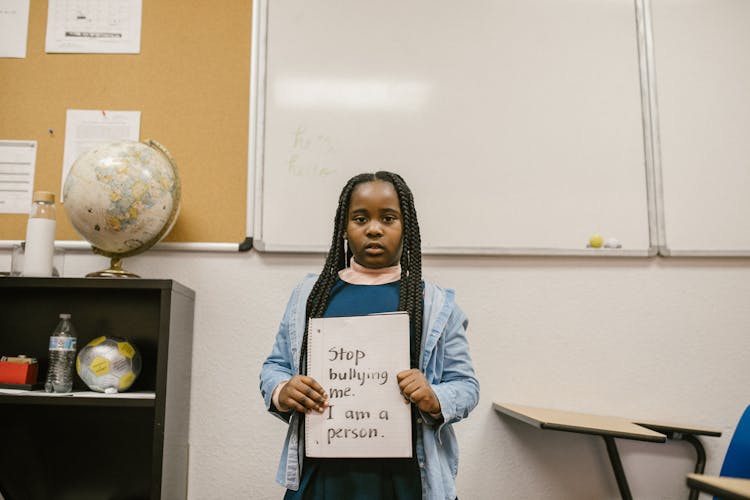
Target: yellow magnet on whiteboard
(596, 241)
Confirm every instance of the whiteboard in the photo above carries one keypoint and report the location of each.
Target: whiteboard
(517, 124)
(702, 81)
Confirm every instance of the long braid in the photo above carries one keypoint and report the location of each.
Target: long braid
(410, 294)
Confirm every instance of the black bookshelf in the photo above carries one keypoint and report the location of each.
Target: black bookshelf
(108, 446)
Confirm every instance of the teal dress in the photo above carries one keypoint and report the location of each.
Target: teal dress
(360, 478)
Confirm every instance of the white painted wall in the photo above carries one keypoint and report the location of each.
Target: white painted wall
(661, 339)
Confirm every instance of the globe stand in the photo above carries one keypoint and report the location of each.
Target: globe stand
(115, 271)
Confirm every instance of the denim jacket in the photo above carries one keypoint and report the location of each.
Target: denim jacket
(445, 361)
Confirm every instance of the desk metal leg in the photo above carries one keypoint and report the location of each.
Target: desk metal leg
(614, 458)
(700, 462)
(700, 452)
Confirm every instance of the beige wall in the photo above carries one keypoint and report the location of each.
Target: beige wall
(661, 339)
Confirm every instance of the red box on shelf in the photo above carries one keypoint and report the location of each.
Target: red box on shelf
(18, 373)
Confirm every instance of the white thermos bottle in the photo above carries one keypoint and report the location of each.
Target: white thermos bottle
(40, 235)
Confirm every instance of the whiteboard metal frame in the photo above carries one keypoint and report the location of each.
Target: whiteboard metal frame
(256, 149)
(650, 110)
(74, 245)
(650, 135)
(510, 251)
(253, 129)
(663, 250)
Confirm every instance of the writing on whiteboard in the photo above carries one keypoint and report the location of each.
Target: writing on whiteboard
(310, 154)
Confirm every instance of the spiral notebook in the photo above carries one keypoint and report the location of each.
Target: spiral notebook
(356, 359)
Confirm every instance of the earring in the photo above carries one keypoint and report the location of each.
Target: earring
(346, 252)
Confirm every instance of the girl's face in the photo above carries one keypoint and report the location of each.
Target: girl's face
(374, 226)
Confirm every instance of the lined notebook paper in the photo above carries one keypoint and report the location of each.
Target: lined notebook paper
(356, 359)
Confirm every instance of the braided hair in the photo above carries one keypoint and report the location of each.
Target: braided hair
(410, 294)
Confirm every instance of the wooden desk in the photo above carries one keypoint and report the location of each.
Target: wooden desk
(582, 423)
(610, 428)
(727, 488)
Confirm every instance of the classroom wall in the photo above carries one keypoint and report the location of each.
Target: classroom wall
(659, 338)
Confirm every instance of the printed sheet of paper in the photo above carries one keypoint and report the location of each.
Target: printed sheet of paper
(356, 360)
(86, 129)
(17, 166)
(94, 26)
(14, 27)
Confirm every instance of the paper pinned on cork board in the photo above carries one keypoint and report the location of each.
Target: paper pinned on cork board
(87, 129)
(17, 167)
(94, 26)
(14, 28)
(356, 360)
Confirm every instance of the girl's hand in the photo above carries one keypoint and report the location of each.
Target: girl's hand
(303, 394)
(414, 388)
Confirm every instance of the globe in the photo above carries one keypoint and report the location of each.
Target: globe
(123, 198)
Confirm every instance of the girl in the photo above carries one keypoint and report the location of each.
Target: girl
(374, 265)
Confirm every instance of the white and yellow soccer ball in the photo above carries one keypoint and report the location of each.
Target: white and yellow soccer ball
(108, 364)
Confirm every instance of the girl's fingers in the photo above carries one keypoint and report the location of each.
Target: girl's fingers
(306, 393)
(407, 374)
(415, 389)
(306, 402)
(410, 387)
(313, 384)
(309, 387)
(408, 377)
(418, 395)
(296, 406)
(303, 397)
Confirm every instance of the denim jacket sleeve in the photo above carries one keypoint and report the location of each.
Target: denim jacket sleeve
(283, 361)
(447, 360)
(448, 368)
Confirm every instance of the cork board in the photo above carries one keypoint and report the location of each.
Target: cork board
(191, 84)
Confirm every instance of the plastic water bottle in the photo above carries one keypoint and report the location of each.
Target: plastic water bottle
(40, 235)
(62, 356)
